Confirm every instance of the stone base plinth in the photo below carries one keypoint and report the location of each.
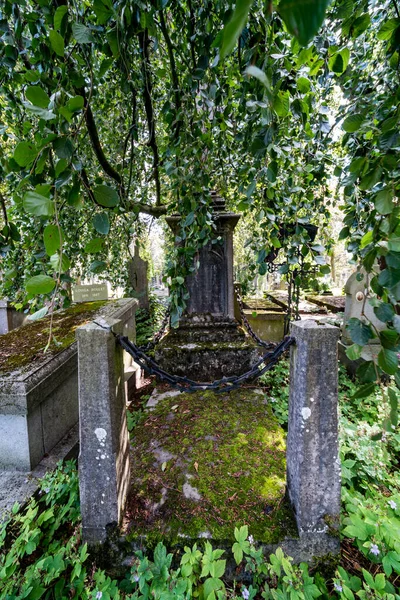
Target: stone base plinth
(205, 348)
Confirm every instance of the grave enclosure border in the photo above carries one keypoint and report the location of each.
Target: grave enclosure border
(313, 471)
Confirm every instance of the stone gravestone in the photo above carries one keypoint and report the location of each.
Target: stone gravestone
(357, 305)
(138, 278)
(90, 293)
(358, 293)
(209, 342)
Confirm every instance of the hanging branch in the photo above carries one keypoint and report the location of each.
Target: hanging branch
(174, 74)
(191, 25)
(148, 104)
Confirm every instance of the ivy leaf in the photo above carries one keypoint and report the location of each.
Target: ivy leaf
(40, 284)
(37, 96)
(235, 26)
(303, 18)
(82, 33)
(57, 42)
(38, 205)
(388, 361)
(51, 238)
(101, 223)
(106, 196)
(360, 332)
(25, 153)
(353, 123)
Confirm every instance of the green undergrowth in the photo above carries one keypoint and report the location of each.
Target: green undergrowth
(41, 555)
(229, 448)
(24, 345)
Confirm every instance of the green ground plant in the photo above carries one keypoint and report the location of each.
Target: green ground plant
(42, 555)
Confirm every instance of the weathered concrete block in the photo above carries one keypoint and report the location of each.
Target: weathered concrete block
(104, 441)
(313, 468)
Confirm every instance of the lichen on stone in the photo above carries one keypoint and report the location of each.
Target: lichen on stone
(230, 449)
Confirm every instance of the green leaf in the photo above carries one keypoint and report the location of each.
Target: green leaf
(101, 223)
(387, 28)
(388, 361)
(59, 16)
(82, 33)
(352, 123)
(52, 237)
(97, 266)
(394, 406)
(25, 153)
(63, 147)
(39, 314)
(60, 263)
(360, 332)
(106, 196)
(37, 96)
(303, 19)
(384, 202)
(353, 352)
(366, 239)
(281, 103)
(42, 113)
(364, 391)
(261, 76)
(38, 205)
(180, 280)
(235, 26)
(40, 284)
(367, 372)
(57, 42)
(384, 311)
(94, 246)
(75, 104)
(303, 85)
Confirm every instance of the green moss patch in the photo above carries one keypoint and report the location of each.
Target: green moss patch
(227, 449)
(25, 345)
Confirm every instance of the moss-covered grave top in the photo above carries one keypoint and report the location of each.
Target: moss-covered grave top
(25, 346)
(204, 463)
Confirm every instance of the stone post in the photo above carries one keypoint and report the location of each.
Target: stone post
(313, 470)
(104, 470)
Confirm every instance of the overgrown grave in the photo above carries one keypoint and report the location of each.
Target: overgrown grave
(202, 463)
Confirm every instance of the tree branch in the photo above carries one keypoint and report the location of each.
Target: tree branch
(174, 74)
(148, 104)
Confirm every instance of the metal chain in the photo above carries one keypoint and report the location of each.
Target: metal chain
(150, 345)
(226, 384)
(251, 332)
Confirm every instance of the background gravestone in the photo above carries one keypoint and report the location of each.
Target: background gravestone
(137, 268)
(358, 293)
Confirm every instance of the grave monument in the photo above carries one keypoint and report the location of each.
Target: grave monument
(209, 341)
(137, 268)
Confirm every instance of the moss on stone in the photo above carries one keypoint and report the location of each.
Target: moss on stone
(230, 449)
(25, 345)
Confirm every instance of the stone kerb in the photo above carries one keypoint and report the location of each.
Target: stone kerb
(313, 468)
(104, 468)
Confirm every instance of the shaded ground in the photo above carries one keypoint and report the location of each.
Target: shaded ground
(204, 463)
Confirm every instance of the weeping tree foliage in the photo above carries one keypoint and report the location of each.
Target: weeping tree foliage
(110, 110)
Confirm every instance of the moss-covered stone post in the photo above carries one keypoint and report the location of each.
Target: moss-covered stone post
(313, 471)
(104, 469)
